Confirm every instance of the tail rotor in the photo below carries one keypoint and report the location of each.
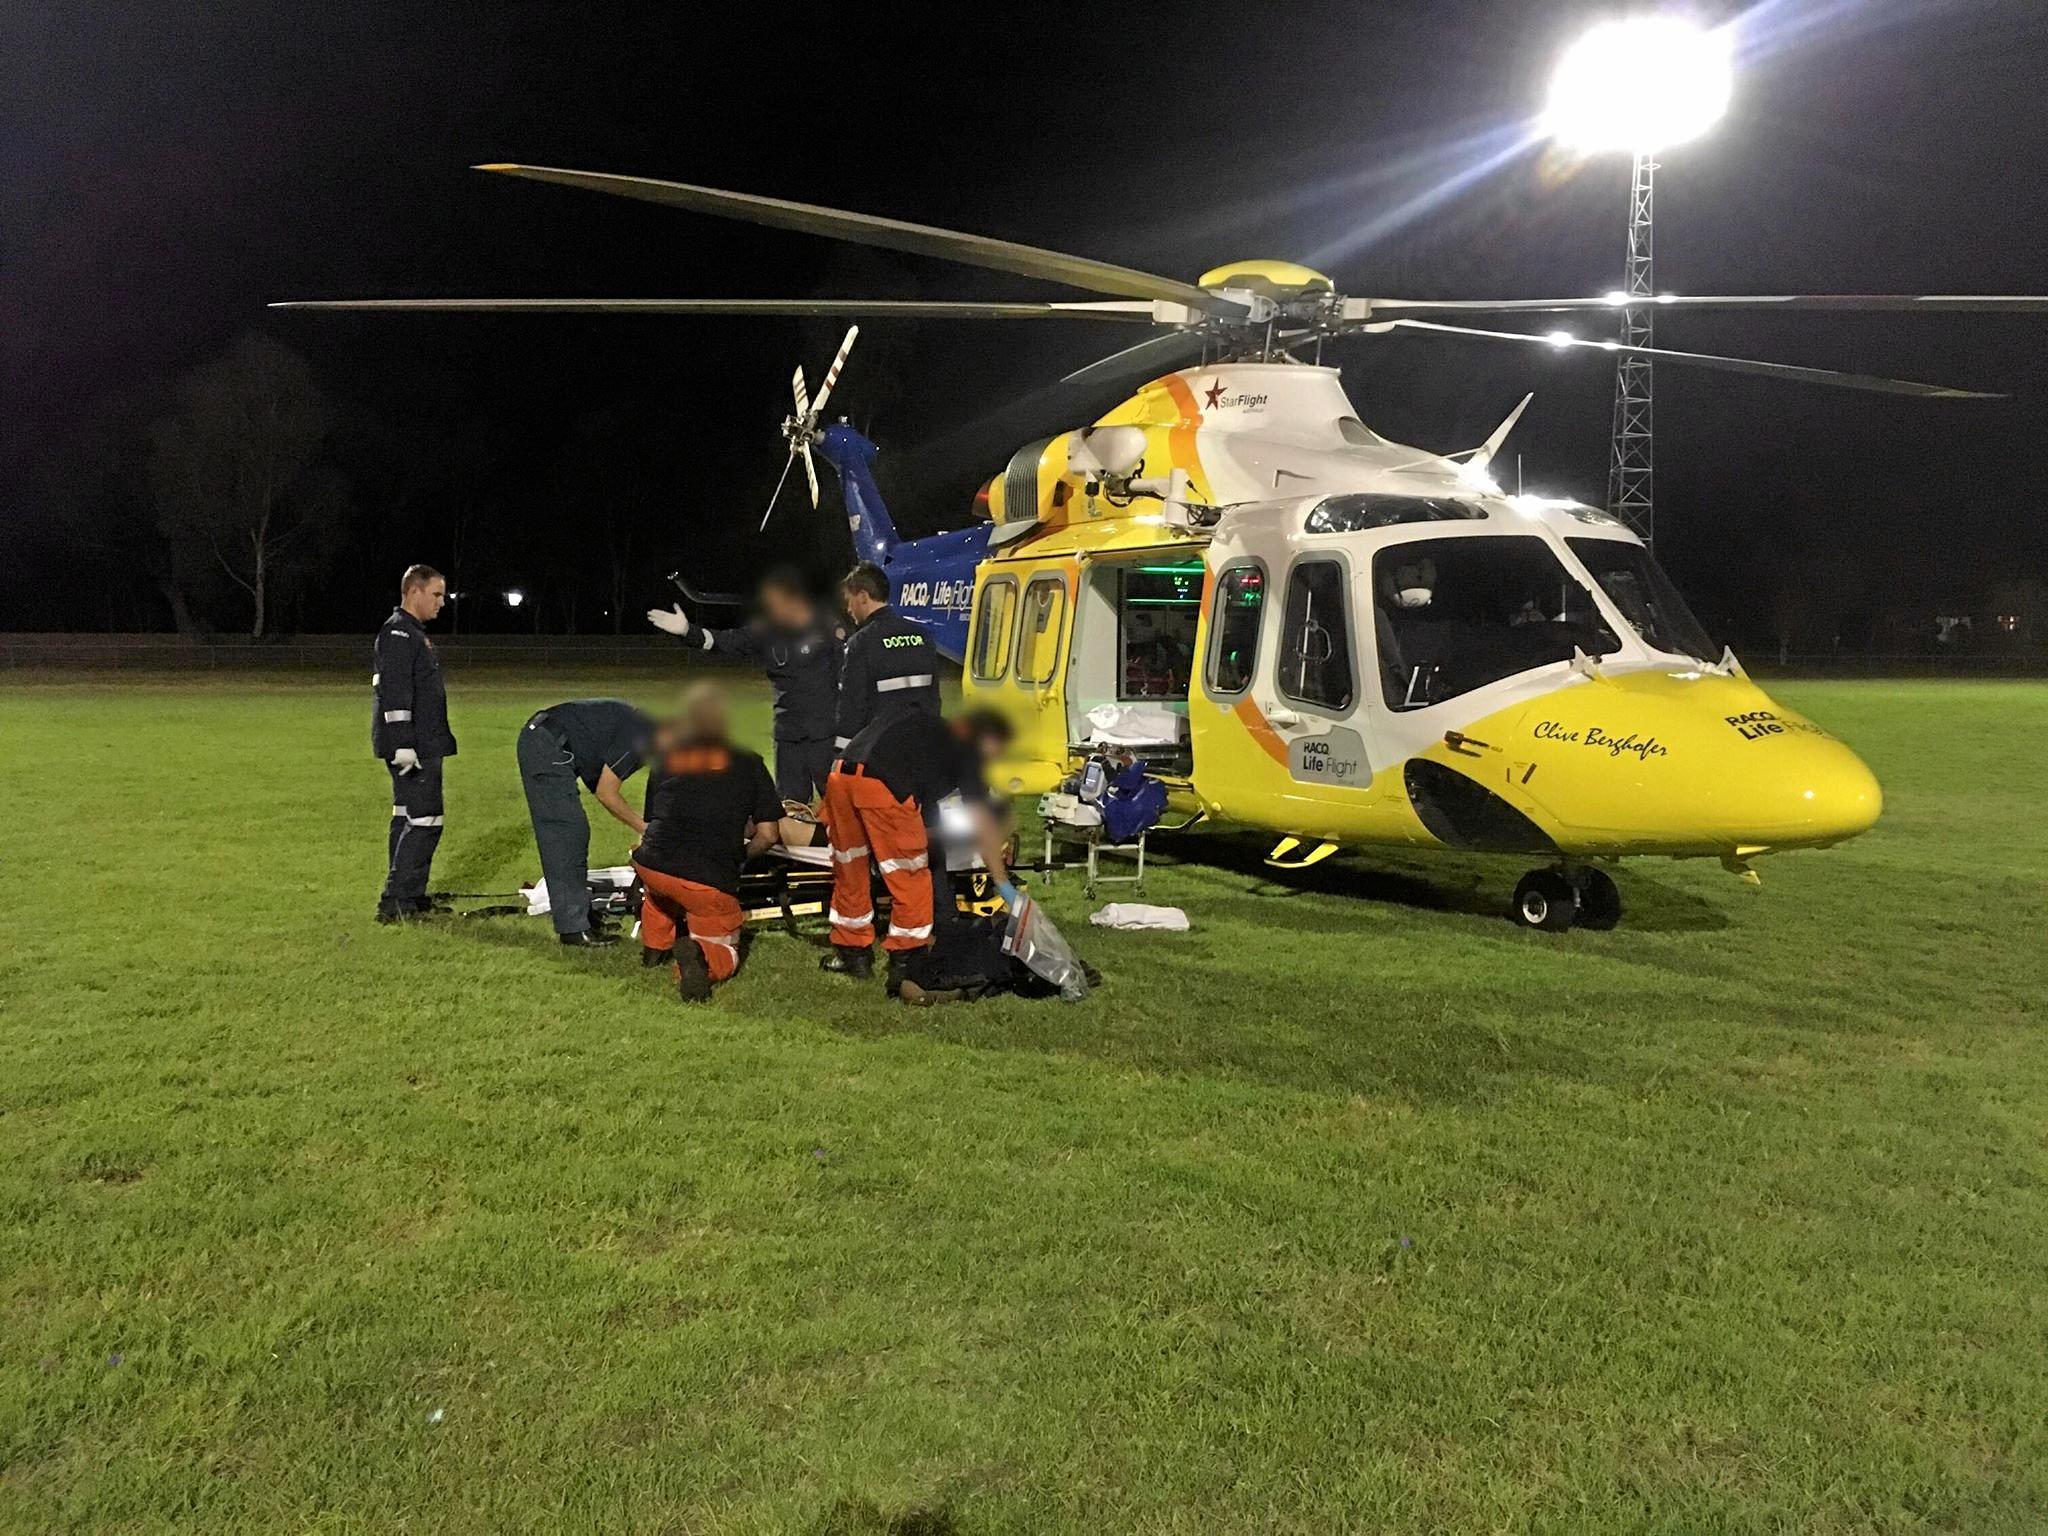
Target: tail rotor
(800, 430)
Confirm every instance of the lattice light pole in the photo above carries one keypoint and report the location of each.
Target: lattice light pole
(1637, 85)
(1631, 460)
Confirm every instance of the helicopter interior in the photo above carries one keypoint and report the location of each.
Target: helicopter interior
(1134, 656)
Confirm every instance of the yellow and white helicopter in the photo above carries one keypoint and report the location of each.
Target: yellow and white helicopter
(1303, 627)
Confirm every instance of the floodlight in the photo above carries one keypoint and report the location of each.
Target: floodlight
(514, 597)
(1560, 338)
(1640, 84)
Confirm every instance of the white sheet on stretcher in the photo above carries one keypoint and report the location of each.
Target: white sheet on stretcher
(1135, 725)
(819, 854)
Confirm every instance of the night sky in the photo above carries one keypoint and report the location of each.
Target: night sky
(168, 169)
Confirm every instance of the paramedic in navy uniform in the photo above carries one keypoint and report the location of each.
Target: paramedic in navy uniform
(799, 643)
(409, 731)
(891, 667)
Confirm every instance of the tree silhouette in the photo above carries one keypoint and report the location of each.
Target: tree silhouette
(237, 475)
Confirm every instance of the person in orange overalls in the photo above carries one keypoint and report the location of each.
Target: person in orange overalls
(710, 807)
(883, 802)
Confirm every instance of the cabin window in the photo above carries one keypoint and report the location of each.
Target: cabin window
(995, 615)
(1452, 615)
(1315, 637)
(1038, 647)
(1636, 584)
(1240, 607)
(1158, 609)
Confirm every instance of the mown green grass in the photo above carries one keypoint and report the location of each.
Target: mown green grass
(1355, 1208)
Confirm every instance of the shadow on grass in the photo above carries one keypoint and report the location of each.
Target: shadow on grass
(864, 1517)
(1456, 884)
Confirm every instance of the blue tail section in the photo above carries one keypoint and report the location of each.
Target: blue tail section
(931, 580)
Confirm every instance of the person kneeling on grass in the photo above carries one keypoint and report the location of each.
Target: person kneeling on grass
(710, 807)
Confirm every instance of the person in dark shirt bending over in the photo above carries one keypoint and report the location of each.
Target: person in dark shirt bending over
(599, 743)
(710, 807)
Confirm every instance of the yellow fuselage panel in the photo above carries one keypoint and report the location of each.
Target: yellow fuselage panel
(1643, 763)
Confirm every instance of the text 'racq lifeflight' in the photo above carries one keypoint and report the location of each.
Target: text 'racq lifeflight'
(1301, 626)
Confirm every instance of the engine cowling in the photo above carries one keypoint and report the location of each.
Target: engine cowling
(1057, 478)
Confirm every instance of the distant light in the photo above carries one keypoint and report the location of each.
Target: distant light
(1614, 296)
(1640, 84)
(1560, 338)
(514, 597)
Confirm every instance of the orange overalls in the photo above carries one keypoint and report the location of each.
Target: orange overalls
(869, 825)
(712, 917)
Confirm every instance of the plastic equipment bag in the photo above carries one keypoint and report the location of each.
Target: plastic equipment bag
(1031, 938)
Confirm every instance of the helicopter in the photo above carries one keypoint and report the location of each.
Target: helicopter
(1302, 627)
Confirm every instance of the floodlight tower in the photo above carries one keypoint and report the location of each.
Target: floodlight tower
(1637, 85)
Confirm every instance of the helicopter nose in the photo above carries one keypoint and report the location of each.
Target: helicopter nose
(1815, 793)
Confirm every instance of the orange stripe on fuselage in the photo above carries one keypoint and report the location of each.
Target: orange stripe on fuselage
(1180, 437)
(1252, 720)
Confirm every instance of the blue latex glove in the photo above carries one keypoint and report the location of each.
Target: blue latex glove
(1012, 897)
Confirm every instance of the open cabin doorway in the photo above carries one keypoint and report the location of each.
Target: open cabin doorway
(1135, 657)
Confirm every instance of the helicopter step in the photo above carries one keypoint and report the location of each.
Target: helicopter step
(1567, 896)
(1288, 853)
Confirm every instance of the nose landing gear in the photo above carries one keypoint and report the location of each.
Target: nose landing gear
(1573, 896)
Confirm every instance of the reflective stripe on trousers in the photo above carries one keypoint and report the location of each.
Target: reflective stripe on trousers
(871, 829)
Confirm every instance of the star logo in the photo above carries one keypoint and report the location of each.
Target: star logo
(1214, 396)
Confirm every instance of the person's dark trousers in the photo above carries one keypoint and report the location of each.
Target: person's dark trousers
(417, 815)
(801, 767)
(560, 828)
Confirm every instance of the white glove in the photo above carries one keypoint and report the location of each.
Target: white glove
(406, 760)
(674, 620)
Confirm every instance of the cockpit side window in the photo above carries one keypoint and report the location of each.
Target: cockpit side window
(1453, 615)
(1315, 637)
(1636, 584)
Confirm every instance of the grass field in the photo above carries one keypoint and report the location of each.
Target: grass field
(1354, 1209)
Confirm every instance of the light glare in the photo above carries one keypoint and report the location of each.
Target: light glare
(1641, 84)
(1560, 338)
(514, 597)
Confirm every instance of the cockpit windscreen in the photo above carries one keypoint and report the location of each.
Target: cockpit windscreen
(1636, 584)
(1452, 615)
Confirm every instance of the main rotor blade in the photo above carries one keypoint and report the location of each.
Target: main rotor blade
(1127, 311)
(1848, 303)
(1156, 355)
(811, 474)
(1702, 360)
(890, 234)
(832, 373)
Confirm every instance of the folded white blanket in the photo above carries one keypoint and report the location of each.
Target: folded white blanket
(1136, 914)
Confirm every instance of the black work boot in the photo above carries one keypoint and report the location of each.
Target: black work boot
(650, 958)
(892, 976)
(693, 977)
(590, 938)
(857, 963)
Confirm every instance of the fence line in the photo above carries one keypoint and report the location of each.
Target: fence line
(174, 653)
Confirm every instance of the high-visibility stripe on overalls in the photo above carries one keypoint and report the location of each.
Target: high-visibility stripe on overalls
(870, 827)
(712, 917)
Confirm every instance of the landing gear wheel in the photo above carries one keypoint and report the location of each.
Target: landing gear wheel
(1599, 900)
(1546, 899)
